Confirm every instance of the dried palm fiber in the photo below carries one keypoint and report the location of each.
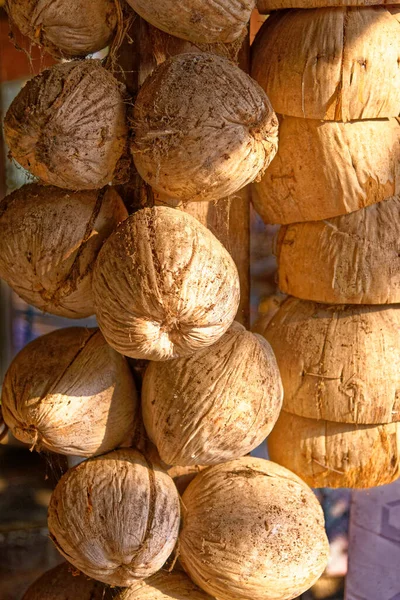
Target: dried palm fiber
(203, 128)
(265, 6)
(163, 586)
(66, 28)
(64, 583)
(325, 169)
(67, 126)
(115, 517)
(164, 286)
(327, 454)
(70, 393)
(202, 21)
(252, 530)
(49, 241)
(338, 362)
(216, 405)
(354, 259)
(327, 63)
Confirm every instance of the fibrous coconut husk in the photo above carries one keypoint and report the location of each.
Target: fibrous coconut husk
(70, 393)
(327, 454)
(327, 63)
(265, 6)
(252, 530)
(326, 169)
(49, 241)
(163, 586)
(202, 21)
(115, 517)
(203, 128)
(351, 259)
(164, 286)
(67, 126)
(216, 405)
(66, 28)
(338, 362)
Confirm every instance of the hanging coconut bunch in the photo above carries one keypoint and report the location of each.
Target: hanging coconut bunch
(327, 63)
(325, 169)
(163, 586)
(67, 126)
(49, 242)
(317, 259)
(216, 405)
(66, 29)
(164, 286)
(199, 21)
(115, 517)
(252, 530)
(69, 392)
(203, 129)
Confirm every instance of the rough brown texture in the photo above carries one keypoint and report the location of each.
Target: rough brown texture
(327, 454)
(203, 21)
(69, 392)
(65, 28)
(67, 126)
(64, 583)
(327, 169)
(164, 286)
(49, 241)
(327, 63)
(351, 259)
(164, 586)
(265, 6)
(203, 128)
(115, 517)
(339, 363)
(215, 406)
(252, 530)
(182, 476)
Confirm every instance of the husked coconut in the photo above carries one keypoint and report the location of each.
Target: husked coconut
(252, 530)
(216, 405)
(338, 362)
(164, 286)
(203, 129)
(67, 126)
(115, 517)
(64, 583)
(326, 169)
(265, 6)
(202, 21)
(327, 63)
(49, 241)
(70, 393)
(163, 586)
(327, 454)
(66, 28)
(182, 476)
(351, 259)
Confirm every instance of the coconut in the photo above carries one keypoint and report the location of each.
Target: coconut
(327, 63)
(252, 530)
(164, 286)
(64, 583)
(214, 406)
(327, 169)
(203, 128)
(338, 362)
(265, 6)
(67, 126)
(65, 28)
(49, 241)
(162, 586)
(182, 476)
(351, 259)
(201, 21)
(70, 393)
(115, 517)
(327, 454)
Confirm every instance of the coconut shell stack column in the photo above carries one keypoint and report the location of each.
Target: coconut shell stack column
(332, 73)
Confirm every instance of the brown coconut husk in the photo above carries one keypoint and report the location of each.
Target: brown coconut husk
(354, 259)
(163, 586)
(338, 362)
(265, 6)
(327, 63)
(326, 454)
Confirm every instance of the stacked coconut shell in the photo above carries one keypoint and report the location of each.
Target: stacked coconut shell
(332, 72)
